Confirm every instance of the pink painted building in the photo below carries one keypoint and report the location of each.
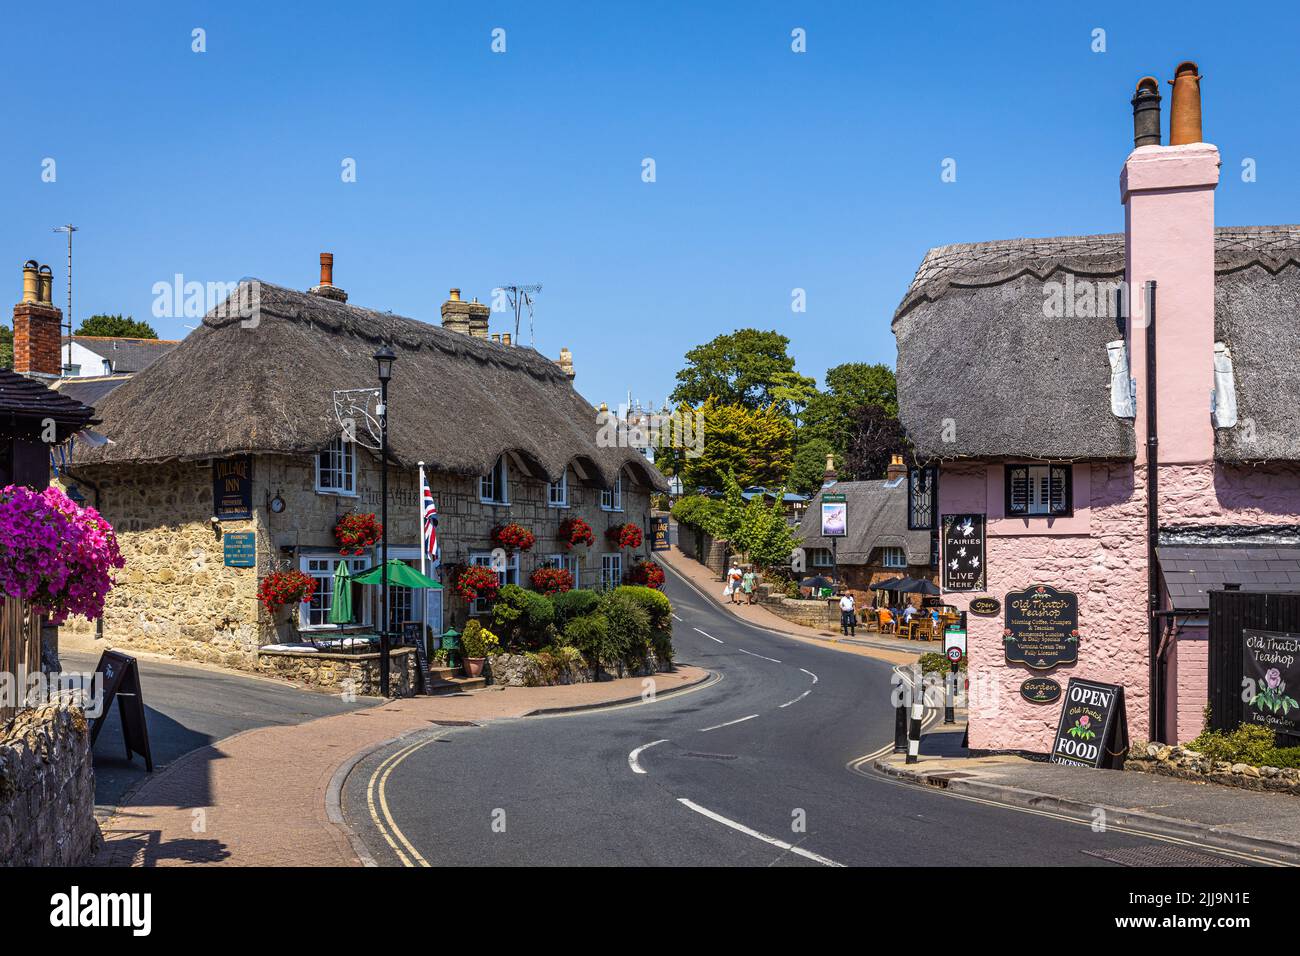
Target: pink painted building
(1023, 380)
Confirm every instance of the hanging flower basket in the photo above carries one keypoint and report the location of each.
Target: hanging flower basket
(575, 531)
(280, 588)
(624, 535)
(513, 537)
(357, 532)
(646, 573)
(476, 581)
(54, 554)
(551, 580)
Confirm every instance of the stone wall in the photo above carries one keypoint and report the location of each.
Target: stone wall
(816, 614)
(1187, 764)
(47, 788)
(176, 596)
(343, 673)
(524, 670)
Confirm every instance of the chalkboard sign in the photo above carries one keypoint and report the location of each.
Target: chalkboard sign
(232, 488)
(1093, 729)
(413, 635)
(659, 535)
(239, 549)
(1040, 690)
(122, 682)
(963, 552)
(1271, 680)
(1041, 627)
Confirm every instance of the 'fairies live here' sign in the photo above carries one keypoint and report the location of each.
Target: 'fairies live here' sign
(1041, 628)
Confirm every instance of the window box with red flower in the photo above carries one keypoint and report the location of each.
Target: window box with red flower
(477, 581)
(646, 573)
(624, 535)
(356, 532)
(281, 588)
(574, 532)
(513, 537)
(551, 580)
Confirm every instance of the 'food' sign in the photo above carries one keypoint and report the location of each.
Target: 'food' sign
(1093, 730)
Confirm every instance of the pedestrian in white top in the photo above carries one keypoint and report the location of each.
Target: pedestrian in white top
(733, 583)
(848, 616)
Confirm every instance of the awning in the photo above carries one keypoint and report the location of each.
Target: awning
(400, 575)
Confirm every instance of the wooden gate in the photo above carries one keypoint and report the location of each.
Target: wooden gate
(20, 649)
(1231, 612)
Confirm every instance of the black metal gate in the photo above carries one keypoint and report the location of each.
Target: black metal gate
(1230, 613)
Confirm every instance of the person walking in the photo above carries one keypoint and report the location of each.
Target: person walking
(747, 583)
(848, 615)
(733, 582)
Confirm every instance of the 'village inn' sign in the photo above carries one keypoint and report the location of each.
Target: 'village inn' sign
(232, 488)
(1041, 627)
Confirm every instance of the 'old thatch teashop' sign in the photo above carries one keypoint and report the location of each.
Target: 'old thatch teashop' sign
(1041, 627)
(232, 488)
(1093, 729)
(963, 552)
(1271, 680)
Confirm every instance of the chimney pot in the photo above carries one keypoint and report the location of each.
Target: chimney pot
(1185, 114)
(505, 338)
(896, 468)
(47, 286)
(454, 295)
(31, 281)
(496, 337)
(327, 268)
(1146, 112)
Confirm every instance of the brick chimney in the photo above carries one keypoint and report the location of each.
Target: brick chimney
(467, 318)
(1168, 197)
(38, 325)
(327, 289)
(565, 361)
(896, 468)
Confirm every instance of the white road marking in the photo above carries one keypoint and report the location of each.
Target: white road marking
(631, 758)
(752, 654)
(741, 828)
(676, 618)
(797, 699)
(810, 674)
(709, 636)
(728, 723)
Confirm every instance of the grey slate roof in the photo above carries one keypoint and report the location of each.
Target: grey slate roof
(87, 389)
(978, 363)
(877, 518)
(125, 354)
(1190, 571)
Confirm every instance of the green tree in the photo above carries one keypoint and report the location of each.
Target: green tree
(753, 445)
(848, 387)
(116, 326)
(749, 367)
(765, 537)
(6, 347)
(874, 436)
(809, 467)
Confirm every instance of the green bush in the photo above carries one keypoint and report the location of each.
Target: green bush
(523, 618)
(571, 604)
(938, 663)
(699, 511)
(1249, 744)
(554, 660)
(628, 628)
(660, 611)
(478, 641)
(589, 635)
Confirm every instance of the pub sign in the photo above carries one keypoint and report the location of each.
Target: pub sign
(232, 488)
(659, 534)
(1041, 627)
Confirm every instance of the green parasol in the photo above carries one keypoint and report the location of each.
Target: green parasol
(341, 606)
(400, 575)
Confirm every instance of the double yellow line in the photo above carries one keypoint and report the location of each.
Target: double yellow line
(377, 801)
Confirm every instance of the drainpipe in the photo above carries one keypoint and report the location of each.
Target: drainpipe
(1153, 522)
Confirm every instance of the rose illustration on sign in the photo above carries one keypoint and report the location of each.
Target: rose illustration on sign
(1273, 698)
(1082, 728)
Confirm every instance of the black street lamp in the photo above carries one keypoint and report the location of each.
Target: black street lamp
(384, 359)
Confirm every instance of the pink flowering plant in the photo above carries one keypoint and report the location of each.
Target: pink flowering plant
(54, 554)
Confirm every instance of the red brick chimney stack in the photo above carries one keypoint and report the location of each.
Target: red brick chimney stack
(38, 325)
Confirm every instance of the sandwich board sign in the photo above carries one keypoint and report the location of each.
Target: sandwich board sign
(122, 682)
(1093, 729)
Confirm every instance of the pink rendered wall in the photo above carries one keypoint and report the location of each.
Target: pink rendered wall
(1187, 675)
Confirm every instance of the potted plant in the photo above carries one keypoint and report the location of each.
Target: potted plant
(477, 642)
(624, 535)
(513, 537)
(355, 532)
(575, 532)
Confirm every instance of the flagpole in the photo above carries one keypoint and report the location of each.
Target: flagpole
(419, 524)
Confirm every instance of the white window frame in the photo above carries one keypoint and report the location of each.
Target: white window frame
(557, 492)
(494, 487)
(898, 554)
(509, 576)
(822, 558)
(611, 571)
(611, 499)
(567, 561)
(343, 462)
(325, 586)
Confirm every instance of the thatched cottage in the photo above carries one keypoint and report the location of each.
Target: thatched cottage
(233, 455)
(1117, 415)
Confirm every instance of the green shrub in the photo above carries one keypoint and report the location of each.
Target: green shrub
(554, 660)
(1249, 743)
(523, 618)
(660, 611)
(589, 636)
(699, 511)
(628, 628)
(571, 604)
(478, 641)
(938, 663)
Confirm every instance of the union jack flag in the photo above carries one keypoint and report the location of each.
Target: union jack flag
(429, 521)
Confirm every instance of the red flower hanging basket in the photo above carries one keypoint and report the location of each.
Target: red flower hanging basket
(625, 535)
(575, 531)
(646, 573)
(513, 537)
(477, 581)
(356, 532)
(551, 580)
(285, 587)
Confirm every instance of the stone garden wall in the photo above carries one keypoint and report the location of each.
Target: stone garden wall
(47, 788)
(524, 670)
(1187, 764)
(341, 673)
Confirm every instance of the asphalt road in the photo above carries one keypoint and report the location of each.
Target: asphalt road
(189, 707)
(751, 771)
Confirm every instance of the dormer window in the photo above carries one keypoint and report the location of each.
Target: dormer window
(494, 487)
(336, 468)
(611, 499)
(1039, 491)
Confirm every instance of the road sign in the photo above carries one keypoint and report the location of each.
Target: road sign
(954, 654)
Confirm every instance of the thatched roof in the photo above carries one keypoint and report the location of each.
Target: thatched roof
(877, 518)
(456, 402)
(982, 372)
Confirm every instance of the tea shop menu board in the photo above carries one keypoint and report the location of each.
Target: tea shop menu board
(1041, 627)
(1093, 729)
(1271, 680)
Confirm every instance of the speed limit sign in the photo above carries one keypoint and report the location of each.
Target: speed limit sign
(954, 654)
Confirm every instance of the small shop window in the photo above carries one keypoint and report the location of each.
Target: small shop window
(611, 499)
(1040, 490)
(322, 568)
(509, 576)
(557, 492)
(822, 558)
(336, 468)
(893, 557)
(494, 487)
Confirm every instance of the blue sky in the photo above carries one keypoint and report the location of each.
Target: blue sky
(774, 170)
